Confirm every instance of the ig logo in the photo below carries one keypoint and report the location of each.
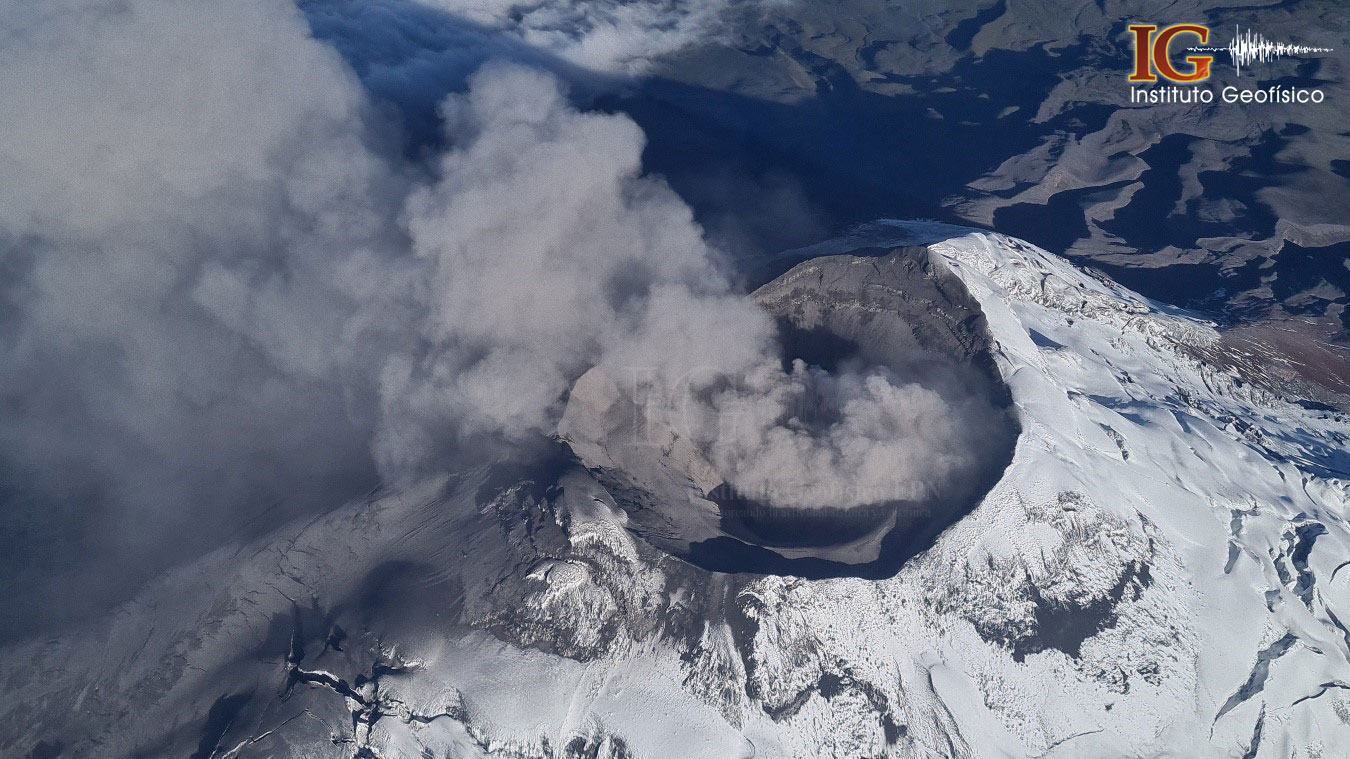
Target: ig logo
(1146, 47)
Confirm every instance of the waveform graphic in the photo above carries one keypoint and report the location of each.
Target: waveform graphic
(1248, 47)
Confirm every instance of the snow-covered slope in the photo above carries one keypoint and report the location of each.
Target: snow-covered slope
(1161, 571)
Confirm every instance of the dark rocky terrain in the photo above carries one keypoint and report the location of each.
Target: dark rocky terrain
(1017, 117)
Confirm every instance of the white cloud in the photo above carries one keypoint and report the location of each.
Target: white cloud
(607, 36)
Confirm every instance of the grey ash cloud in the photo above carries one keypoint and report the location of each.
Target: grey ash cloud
(228, 287)
(195, 207)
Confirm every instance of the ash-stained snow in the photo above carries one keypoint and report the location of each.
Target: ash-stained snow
(1156, 574)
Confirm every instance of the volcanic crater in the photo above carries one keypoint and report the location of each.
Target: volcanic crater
(896, 309)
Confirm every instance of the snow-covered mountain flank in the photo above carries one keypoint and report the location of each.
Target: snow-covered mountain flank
(1162, 569)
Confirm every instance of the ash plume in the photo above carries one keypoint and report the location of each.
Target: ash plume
(881, 439)
(549, 252)
(230, 293)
